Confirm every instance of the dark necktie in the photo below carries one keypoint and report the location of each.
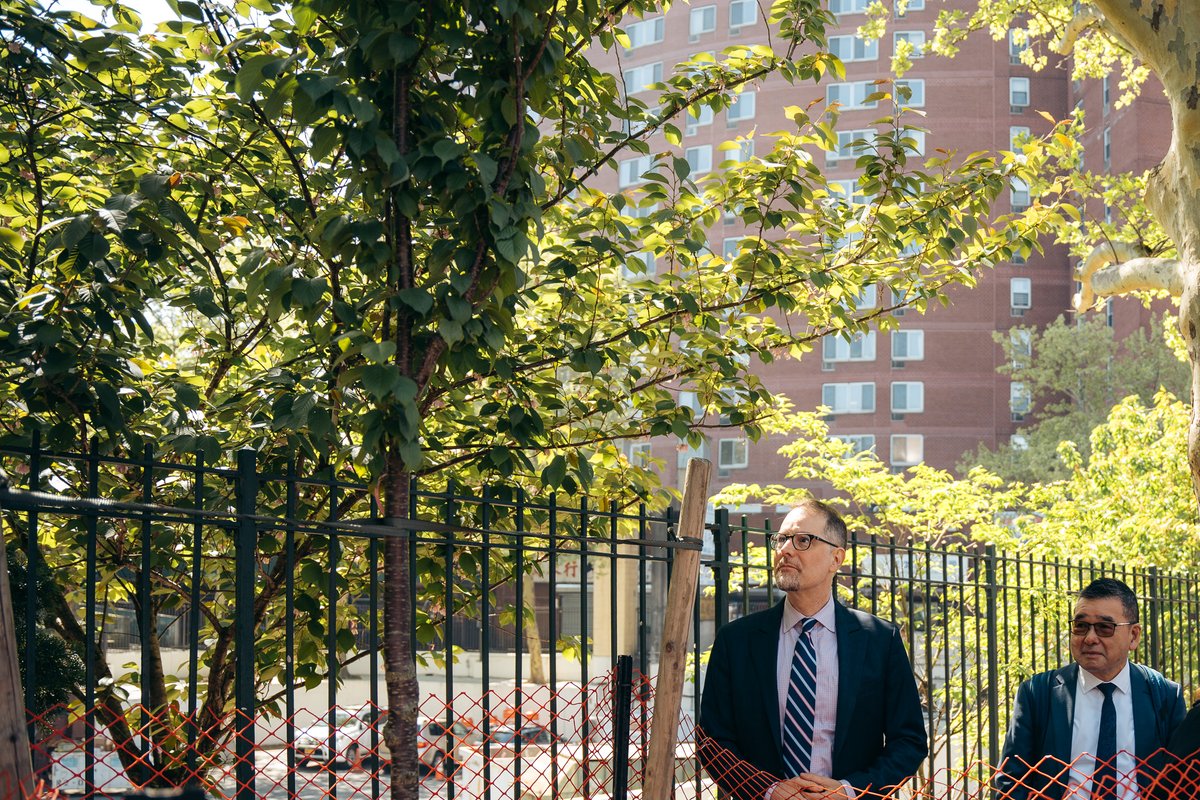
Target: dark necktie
(1104, 779)
(801, 708)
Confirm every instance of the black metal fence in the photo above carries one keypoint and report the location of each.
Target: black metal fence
(254, 587)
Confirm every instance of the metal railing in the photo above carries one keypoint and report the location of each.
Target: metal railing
(256, 558)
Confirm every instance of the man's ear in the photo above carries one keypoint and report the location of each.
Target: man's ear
(1135, 631)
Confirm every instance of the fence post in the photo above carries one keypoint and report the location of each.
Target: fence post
(245, 563)
(16, 767)
(1153, 603)
(622, 708)
(721, 565)
(993, 666)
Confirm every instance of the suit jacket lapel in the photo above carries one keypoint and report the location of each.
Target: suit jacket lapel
(850, 644)
(764, 648)
(1062, 712)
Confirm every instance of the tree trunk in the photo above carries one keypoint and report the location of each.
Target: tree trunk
(533, 634)
(400, 732)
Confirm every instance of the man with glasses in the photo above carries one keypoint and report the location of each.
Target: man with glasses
(810, 699)
(1092, 730)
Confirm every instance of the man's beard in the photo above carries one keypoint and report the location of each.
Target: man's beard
(788, 581)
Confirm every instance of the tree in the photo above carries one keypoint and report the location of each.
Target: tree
(1163, 37)
(1073, 374)
(373, 236)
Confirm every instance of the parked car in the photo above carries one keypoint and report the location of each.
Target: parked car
(351, 740)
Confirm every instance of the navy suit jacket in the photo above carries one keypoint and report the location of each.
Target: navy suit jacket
(879, 737)
(1037, 749)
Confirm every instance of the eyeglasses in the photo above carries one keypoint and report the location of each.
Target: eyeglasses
(800, 541)
(1104, 629)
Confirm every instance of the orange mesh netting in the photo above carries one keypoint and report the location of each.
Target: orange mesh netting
(522, 744)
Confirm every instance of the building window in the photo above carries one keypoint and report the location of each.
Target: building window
(860, 347)
(732, 454)
(851, 96)
(849, 398)
(852, 144)
(697, 116)
(638, 79)
(1019, 258)
(852, 6)
(703, 20)
(741, 14)
(853, 48)
(1017, 44)
(1020, 195)
(1108, 312)
(865, 298)
(1017, 134)
(916, 93)
(1107, 149)
(848, 192)
(915, 38)
(908, 345)
(1019, 400)
(1018, 442)
(1020, 344)
(648, 31)
(908, 397)
(908, 449)
(1020, 295)
(860, 442)
(1018, 94)
(699, 159)
(639, 453)
(741, 109)
(731, 246)
(903, 8)
(737, 152)
(1104, 90)
(631, 170)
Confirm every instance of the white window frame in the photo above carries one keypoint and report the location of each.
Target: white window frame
(699, 158)
(733, 453)
(1018, 93)
(639, 453)
(918, 140)
(905, 440)
(860, 347)
(742, 108)
(702, 20)
(849, 6)
(917, 38)
(1020, 345)
(916, 92)
(1015, 132)
(649, 266)
(1020, 294)
(741, 14)
(640, 78)
(1020, 401)
(859, 49)
(848, 191)
(743, 152)
(861, 442)
(1020, 195)
(629, 172)
(845, 140)
(851, 95)
(730, 247)
(868, 297)
(1014, 48)
(1105, 92)
(703, 116)
(1106, 140)
(645, 32)
(849, 398)
(913, 5)
(911, 342)
(909, 388)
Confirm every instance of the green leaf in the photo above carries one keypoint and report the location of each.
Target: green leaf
(254, 71)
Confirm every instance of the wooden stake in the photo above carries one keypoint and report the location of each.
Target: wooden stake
(672, 665)
(16, 768)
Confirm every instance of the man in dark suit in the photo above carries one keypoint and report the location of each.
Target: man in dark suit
(810, 699)
(1092, 729)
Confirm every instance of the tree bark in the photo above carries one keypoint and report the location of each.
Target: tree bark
(533, 634)
(400, 732)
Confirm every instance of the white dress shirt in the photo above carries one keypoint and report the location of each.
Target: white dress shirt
(824, 639)
(1085, 736)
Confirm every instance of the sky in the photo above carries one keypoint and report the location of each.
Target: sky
(152, 12)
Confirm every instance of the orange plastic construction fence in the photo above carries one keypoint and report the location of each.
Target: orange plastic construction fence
(514, 743)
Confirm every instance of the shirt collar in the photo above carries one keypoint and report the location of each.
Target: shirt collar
(1088, 682)
(825, 617)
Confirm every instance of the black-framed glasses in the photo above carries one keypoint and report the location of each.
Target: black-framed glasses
(1104, 629)
(800, 541)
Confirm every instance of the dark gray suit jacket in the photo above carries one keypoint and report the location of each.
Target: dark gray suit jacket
(879, 737)
(1037, 749)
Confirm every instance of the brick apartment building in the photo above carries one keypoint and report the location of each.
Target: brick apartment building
(931, 391)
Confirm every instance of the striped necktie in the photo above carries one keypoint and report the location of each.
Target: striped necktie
(800, 712)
